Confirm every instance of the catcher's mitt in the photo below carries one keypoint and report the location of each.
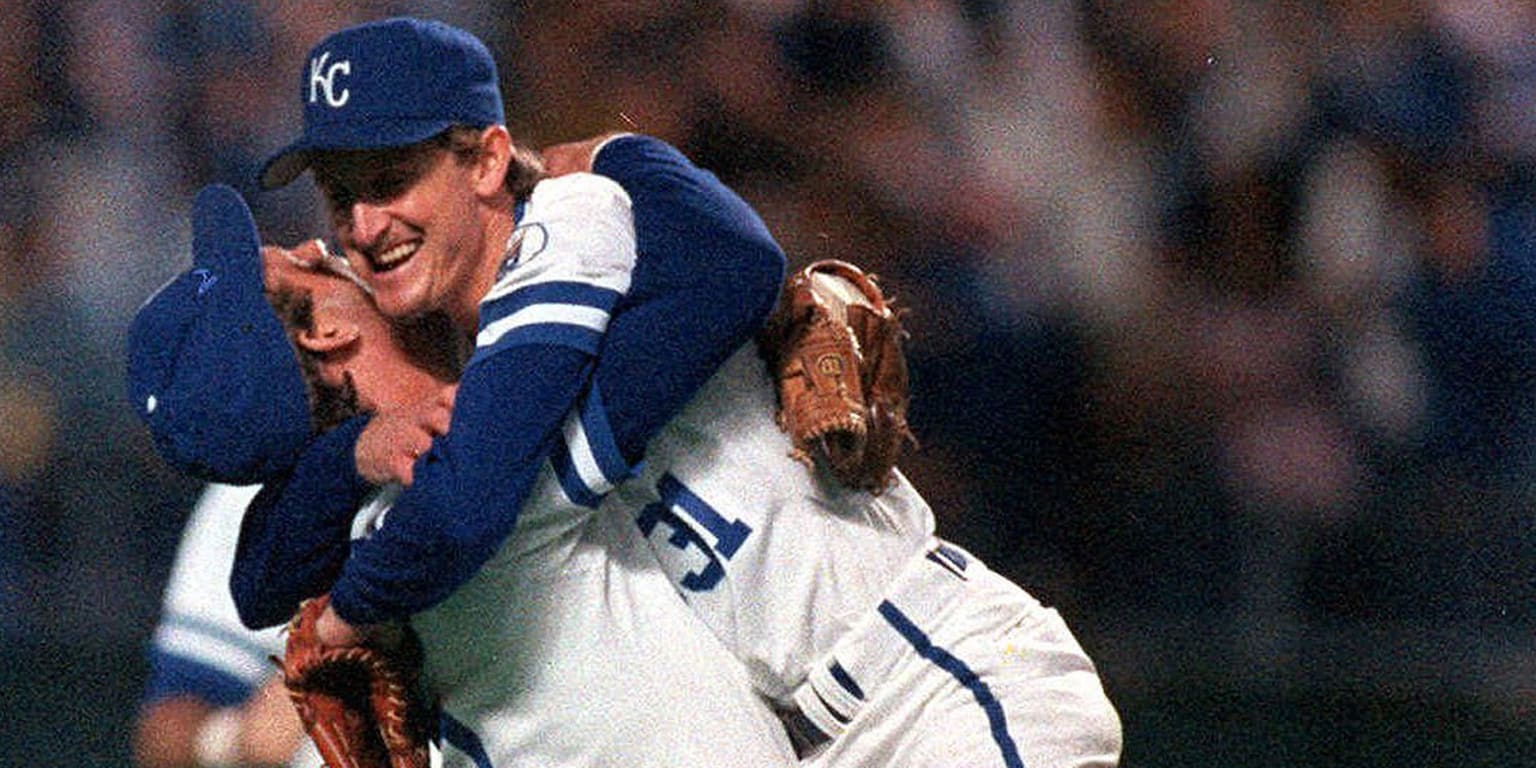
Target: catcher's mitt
(834, 347)
(357, 702)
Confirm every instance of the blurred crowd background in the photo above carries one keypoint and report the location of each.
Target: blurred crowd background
(1222, 313)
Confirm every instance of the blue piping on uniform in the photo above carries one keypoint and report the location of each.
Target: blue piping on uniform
(958, 669)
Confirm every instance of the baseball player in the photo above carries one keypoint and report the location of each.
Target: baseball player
(381, 241)
(883, 644)
(450, 202)
(430, 200)
(210, 699)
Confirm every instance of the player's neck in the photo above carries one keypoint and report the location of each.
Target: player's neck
(492, 252)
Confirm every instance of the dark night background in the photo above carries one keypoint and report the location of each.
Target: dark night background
(1223, 319)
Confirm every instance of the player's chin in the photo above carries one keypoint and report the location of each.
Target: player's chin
(399, 304)
(397, 293)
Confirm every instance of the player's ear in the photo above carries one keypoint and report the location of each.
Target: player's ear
(490, 171)
(325, 337)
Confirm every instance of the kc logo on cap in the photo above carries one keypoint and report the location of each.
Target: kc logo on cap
(322, 77)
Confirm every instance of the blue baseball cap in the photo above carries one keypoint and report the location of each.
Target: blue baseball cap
(385, 84)
(210, 369)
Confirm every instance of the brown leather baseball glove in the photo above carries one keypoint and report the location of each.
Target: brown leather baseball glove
(358, 703)
(834, 347)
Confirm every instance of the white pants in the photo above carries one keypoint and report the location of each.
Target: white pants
(961, 668)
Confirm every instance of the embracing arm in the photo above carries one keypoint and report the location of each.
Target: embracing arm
(294, 536)
(709, 275)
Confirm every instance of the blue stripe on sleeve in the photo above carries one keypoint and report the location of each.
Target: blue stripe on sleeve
(173, 675)
(570, 480)
(589, 441)
(554, 292)
(553, 302)
(707, 274)
(600, 440)
(584, 340)
(963, 674)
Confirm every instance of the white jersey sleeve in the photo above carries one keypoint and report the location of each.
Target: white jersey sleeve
(569, 262)
(199, 632)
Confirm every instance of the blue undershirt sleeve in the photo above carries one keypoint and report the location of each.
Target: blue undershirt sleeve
(294, 535)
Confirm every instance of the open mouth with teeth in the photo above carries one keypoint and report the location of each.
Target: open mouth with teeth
(392, 258)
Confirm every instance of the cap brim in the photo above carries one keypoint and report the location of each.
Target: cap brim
(289, 162)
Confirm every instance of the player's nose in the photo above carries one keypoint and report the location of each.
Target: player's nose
(366, 226)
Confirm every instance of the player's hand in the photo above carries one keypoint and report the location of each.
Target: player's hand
(435, 414)
(572, 156)
(333, 630)
(389, 446)
(270, 730)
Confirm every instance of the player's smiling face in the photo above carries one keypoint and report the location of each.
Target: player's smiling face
(415, 247)
(416, 226)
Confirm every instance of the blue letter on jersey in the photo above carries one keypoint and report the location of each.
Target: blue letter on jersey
(728, 534)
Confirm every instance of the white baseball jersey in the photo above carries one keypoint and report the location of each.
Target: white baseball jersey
(199, 647)
(895, 648)
(569, 647)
